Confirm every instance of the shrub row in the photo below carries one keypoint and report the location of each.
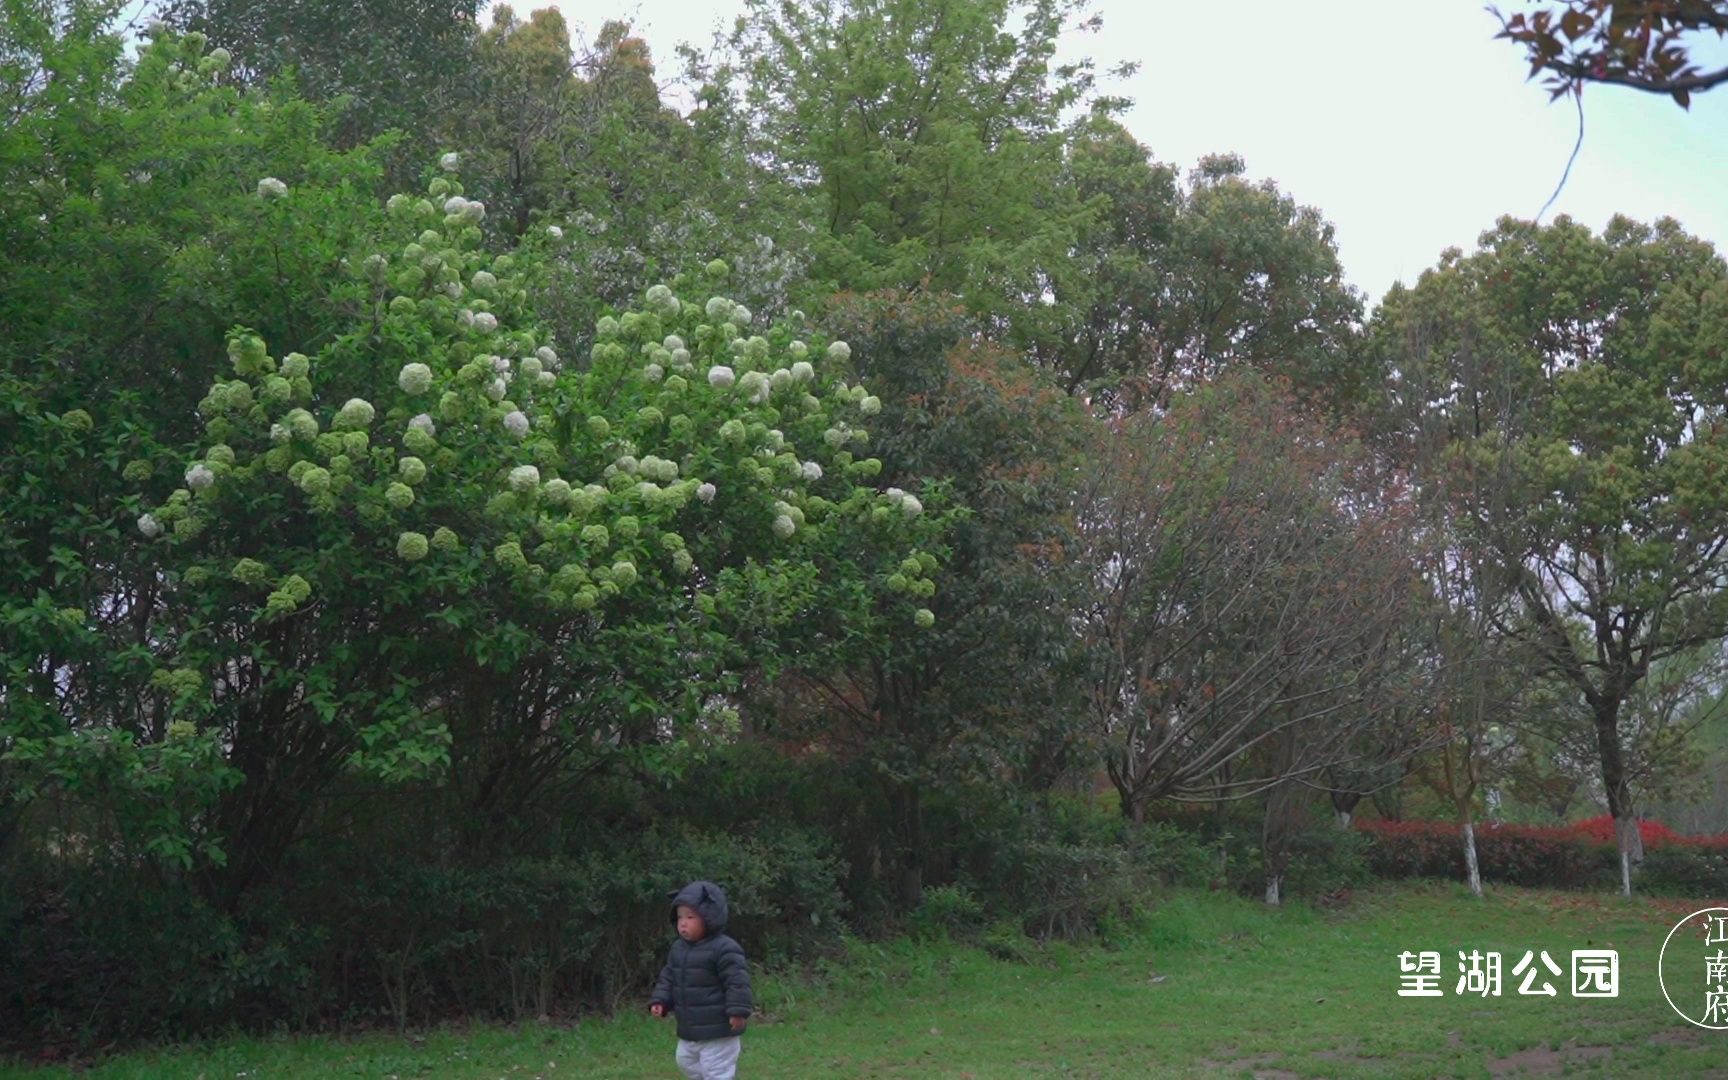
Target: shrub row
(1581, 855)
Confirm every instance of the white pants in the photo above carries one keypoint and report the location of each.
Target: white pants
(710, 1059)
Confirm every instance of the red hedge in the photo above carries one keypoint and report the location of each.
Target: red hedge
(1556, 855)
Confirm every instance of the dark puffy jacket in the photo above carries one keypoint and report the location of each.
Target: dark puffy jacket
(704, 982)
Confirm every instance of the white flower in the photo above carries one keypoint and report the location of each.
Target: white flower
(485, 322)
(654, 372)
(271, 188)
(673, 343)
(149, 526)
(811, 471)
(455, 204)
(531, 367)
(754, 383)
(414, 378)
(870, 406)
(279, 434)
(802, 371)
(199, 477)
(705, 492)
(453, 289)
(396, 203)
(895, 495)
(798, 349)
(424, 423)
(781, 378)
(718, 307)
(547, 356)
(554, 232)
(450, 162)
(500, 365)
(516, 422)
(483, 281)
(355, 415)
(784, 526)
(546, 378)
(557, 492)
(465, 317)
(475, 211)
(911, 506)
(741, 316)
(720, 376)
(524, 478)
(496, 389)
(840, 351)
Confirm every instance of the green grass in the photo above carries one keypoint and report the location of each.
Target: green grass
(1210, 987)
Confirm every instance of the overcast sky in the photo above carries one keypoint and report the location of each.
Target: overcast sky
(1405, 123)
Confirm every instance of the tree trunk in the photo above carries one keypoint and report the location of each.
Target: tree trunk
(1275, 835)
(1618, 788)
(1471, 867)
(1344, 805)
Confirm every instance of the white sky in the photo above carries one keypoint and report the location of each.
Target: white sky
(1405, 122)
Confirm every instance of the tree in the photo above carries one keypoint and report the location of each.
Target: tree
(973, 423)
(1180, 283)
(932, 135)
(1252, 580)
(135, 241)
(1575, 384)
(380, 64)
(1644, 44)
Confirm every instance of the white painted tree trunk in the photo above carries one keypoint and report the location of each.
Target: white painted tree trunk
(1344, 819)
(1471, 866)
(1273, 885)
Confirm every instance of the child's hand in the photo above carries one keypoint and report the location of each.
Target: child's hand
(738, 1023)
(657, 1009)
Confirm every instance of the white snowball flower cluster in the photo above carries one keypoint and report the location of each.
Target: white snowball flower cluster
(705, 492)
(802, 371)
(271, 188)
(149, 526)
(483, 282)
(199, 477)
(524, 479)
(485, 322)
(720, 376)
(554, 232)
(496, 389)
(531, 368)
(784, 526)
(840, 351)
(450, 162)
(757, 385)
(471, 210)
(741, 315)
(811, 471)
(500, 365)
(660, 297)
(424, 422)
(547, 356)
(654, 372)
(414, 378)
(355, 415)
(516, 422)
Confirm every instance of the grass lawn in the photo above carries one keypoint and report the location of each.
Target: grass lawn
(1211, 987)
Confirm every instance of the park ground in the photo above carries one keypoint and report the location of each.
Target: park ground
(1208, 986)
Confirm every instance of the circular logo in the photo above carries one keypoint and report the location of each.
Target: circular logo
(1693, 968)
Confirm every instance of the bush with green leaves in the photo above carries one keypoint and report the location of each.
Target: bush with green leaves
(436, 527)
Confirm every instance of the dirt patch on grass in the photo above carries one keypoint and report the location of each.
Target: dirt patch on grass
(1258, 1066)
(1541, 1061)
(1678, 1037)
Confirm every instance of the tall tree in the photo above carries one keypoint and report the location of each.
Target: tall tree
(1575, 384)
(933, 135)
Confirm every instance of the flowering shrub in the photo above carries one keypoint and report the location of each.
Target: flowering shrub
(1568, 856)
